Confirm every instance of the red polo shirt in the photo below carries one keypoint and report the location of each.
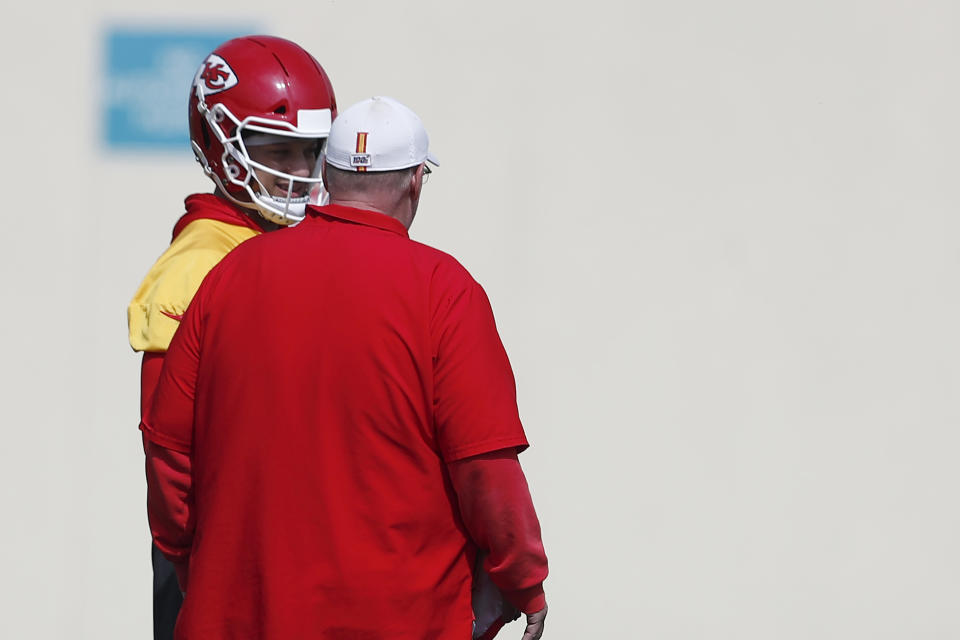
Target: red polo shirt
(322, 377)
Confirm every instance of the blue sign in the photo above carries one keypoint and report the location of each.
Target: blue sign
(147, 84)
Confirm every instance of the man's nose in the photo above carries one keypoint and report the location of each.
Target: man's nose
(298, 165)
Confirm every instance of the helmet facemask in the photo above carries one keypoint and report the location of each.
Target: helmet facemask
(240, 169)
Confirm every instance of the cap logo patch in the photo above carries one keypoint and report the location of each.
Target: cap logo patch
(216, 75)
(360, 159)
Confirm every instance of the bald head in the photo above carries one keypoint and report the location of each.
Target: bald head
(342, 182)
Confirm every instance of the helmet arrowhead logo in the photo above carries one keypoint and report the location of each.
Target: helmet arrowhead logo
(215, 75)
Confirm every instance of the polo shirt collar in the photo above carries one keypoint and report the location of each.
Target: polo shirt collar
(360, 216)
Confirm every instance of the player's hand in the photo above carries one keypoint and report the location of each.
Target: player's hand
(535, 625)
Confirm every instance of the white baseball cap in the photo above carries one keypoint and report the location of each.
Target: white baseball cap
(378, 134)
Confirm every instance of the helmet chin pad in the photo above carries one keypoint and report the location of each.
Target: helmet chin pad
(280, 210)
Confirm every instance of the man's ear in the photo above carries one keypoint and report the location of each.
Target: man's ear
(416, 183)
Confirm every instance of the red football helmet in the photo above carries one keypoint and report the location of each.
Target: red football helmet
(252, 86)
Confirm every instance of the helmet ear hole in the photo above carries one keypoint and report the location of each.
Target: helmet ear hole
(282, 109)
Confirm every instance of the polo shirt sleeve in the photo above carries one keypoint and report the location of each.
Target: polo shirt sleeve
(475, 398)
(169, 420)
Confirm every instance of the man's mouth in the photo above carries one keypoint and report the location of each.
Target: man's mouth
(299, 194)
(294, 198)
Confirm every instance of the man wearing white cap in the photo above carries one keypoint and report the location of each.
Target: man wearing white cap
(347, 472)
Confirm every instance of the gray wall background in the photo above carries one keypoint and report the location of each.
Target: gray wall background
(721, 244)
